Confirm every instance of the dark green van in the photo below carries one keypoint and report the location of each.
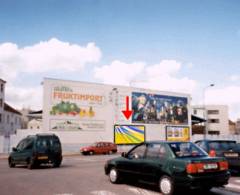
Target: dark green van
(37, 149)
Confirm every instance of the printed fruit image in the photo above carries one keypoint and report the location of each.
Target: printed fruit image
(91, 113)
(65, 108)
(82, 113)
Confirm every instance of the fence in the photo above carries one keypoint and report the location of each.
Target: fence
(7, 143)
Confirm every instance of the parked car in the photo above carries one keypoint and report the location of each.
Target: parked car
(169, 165)
(223, 148)
(99, 148)
(37, 149)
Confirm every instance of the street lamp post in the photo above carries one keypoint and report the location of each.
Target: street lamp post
(205, 110)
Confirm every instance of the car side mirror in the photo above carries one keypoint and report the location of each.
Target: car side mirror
(124, 155)
(14, 149)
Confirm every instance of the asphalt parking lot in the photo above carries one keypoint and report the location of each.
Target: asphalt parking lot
(79, 175)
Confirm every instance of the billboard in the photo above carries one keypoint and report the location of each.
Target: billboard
(159, 109)
(129, 134)
(73, 108)
(177, 133)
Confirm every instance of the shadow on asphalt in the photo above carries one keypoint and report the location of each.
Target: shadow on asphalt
(154, 188)
(235, 173)
(43, 167)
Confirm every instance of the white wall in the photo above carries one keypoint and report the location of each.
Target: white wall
(14, 122)
(109, 111)
(2, 96)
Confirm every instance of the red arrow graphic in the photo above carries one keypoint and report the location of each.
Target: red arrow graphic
(127, 113)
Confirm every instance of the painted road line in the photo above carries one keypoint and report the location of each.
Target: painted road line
(102, 192)
(140, 191)
(237, 181)
(223, 191)
(84, 160)
(230, 185)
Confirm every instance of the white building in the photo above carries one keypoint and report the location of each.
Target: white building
(35, 124)
(217, 121)
(10, 118)
(2, 96)
(238, 126)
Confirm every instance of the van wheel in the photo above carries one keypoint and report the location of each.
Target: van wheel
(10, 163)
(206, 189)
(31, 164)
(56, 164)
(114, 176)
(166, 185)
(110, 152)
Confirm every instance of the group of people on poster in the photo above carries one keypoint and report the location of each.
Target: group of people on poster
(152, 108)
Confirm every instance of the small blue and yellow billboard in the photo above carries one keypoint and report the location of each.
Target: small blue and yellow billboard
(129, 134)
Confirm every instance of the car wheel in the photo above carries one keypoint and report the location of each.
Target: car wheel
(206, 189)
(166, 185)
(110, 152)
(10, 163)
(114, 175)
(91, 152)
(31, 164)
(56, 163)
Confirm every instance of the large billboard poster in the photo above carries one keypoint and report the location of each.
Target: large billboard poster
(129, 134)
(156, 109)
(74, 109)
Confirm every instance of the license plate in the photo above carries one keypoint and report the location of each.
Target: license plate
(210, 166)
(235, 155)
(42, 158)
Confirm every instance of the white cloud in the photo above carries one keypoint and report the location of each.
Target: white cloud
(165, 67)
(189, 65)
(46, 56)
(234, 78)
(119, 73)
(20, 97)
(229, 95)
(52, 55)
(160, 76)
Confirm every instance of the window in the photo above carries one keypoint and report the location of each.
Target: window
(2, 87)
(222, 145)
(213, 111)
(153, 151)
(213, 132)
(28, 144)
(0, 118)
(42, 144)
(202, 145)
(195, 112)
(7, 119)
(213, 120)
(1, 103)
(21, 144)
(138, 152)
(182, 150)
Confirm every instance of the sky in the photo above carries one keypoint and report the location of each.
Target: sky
(179, 46)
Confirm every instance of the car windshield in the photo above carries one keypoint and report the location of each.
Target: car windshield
(94, 144)
(222, 145)
(186, 149)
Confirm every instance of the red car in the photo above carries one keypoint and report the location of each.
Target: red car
(99, 148)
